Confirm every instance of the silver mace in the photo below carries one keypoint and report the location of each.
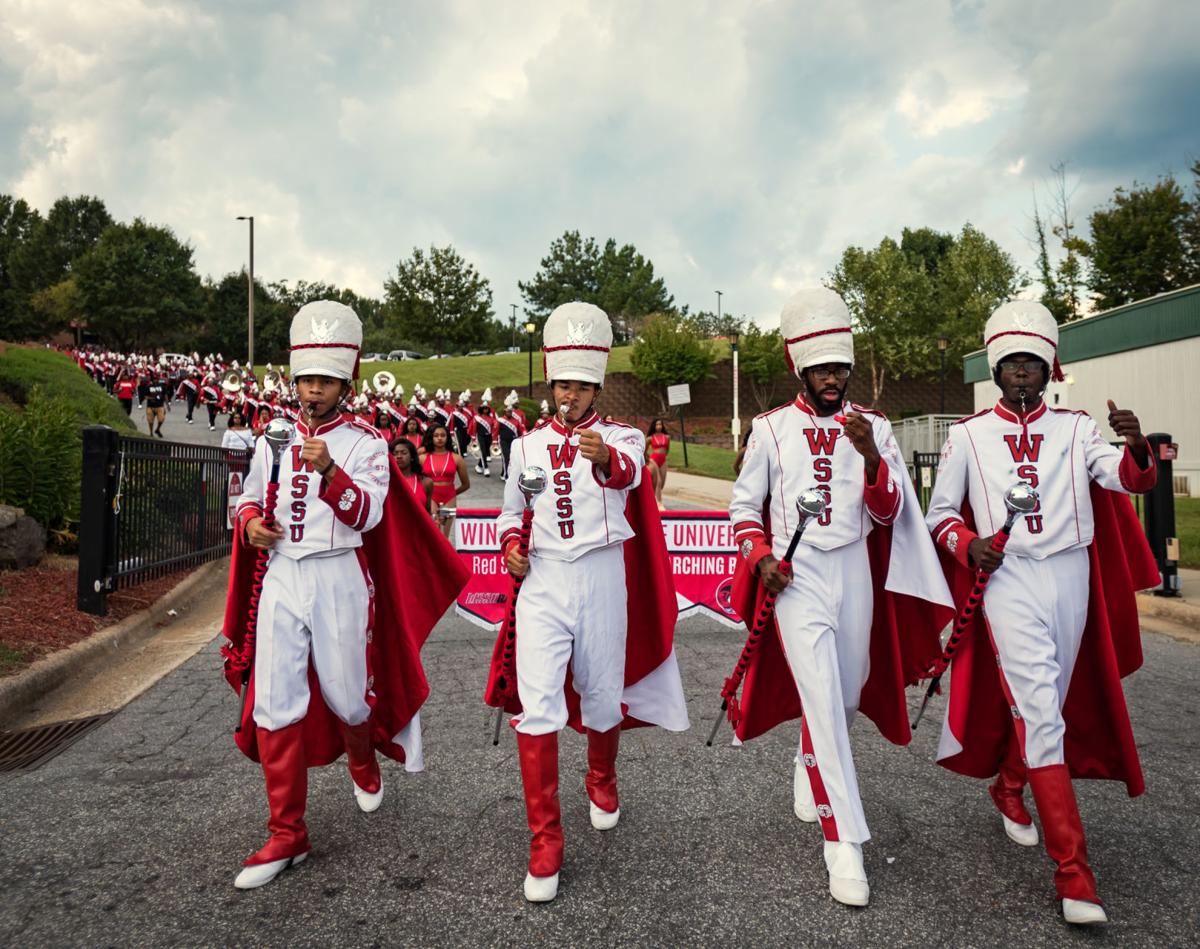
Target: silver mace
(532, 482)
(1019, 499)
(811, 504)
(279, 434)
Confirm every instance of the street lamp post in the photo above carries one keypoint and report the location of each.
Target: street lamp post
(736, 426)
(531, 329)
(513, 324)
(943, 344)
(250, 325)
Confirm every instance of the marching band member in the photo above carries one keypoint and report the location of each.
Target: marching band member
(597, 595)
(345, 545)
(858, 613)
(1035, 691)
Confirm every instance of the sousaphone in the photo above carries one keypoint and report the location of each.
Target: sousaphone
(384, 382)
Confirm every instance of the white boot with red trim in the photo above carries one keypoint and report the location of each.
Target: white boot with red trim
(847, 878)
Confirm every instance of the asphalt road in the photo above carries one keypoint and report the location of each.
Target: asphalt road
(134, 834)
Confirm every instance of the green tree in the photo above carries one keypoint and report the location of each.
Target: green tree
(1138, 245)
(668, 351)
(926, 247)
(976, 276)
(1062, 281)
(710, 326)
(439, 299)
(1191, 229)
(226, 317)
(45, 258)
(627, 288)
(889, 298)
(17, 221)
(617, 279)
(138, 286)
(568, 272)
(761, 360)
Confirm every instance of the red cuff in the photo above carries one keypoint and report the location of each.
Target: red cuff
(246, 512)
(955, 537)
(1134, 479)
(759, 550)
(621, 470)
(508, 540)
(883, 497)
(349, 502)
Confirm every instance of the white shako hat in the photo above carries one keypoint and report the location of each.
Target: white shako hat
(326, 338)
(575, 343)
(815, 325)
(512, 398)
(1023, 326)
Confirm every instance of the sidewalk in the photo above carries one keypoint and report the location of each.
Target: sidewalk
(702, 493)
(1183, 609)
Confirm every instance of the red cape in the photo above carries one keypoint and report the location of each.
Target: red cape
(1099, 738)
(417, 575)
(651, 607)
(904, 642)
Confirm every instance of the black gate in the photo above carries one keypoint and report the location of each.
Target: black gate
(149, 508)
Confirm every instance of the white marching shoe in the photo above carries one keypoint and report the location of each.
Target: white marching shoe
(602, 819)
(847, 878)
(260, 874)
(1083, 913)
(802, 795)
(1024, 834)
(540, 889)
(368, 802)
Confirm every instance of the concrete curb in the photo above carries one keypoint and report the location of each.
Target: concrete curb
(1177, 610)
(47, 674)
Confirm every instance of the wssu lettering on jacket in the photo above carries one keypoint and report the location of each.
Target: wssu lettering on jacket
(319, 516)
(580, 510)
(792, 449)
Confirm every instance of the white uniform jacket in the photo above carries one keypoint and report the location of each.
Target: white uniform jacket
(580, 510)
(1063, 451)
(319, 516)
(792, 449)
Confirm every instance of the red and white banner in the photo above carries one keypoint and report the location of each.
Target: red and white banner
(699, 543)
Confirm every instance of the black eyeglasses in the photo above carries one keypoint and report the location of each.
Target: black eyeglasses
(840, 373)
(1032, 365)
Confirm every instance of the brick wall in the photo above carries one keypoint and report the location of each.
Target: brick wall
(630, 400)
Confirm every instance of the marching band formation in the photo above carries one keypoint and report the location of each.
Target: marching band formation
(1030, 552)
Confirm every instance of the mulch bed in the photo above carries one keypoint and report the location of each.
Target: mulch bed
(38, 615)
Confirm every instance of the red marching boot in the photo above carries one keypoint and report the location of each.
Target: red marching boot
(286, 774)
(1065, 843)
(1007, 792)
(364, 765)
(539, 776)
(601, 780)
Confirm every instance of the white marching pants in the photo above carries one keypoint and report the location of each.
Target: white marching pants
(572, 613)
(319, 604)
(1036, 611)
(824, 619)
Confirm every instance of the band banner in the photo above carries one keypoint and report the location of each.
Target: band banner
(699, 543)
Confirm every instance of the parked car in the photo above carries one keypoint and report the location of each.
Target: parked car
(404, 355)
(478, 352)
(508, 349)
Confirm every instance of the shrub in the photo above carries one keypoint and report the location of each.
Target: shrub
(40, 458)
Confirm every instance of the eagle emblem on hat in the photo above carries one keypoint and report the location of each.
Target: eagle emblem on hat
(322, 330)
(579, 334)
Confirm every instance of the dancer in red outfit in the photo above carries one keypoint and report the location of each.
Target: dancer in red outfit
(1061, 622)
(443, 466)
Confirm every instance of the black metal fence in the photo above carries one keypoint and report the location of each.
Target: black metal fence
(149, 508)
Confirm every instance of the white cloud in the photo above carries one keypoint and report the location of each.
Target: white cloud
(740, 146)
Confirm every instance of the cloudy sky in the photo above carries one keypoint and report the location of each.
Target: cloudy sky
(740, 145)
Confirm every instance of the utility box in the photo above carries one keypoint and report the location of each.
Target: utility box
(1160, 515)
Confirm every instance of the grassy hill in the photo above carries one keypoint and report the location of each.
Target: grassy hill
(507, 370)
(21, 368)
